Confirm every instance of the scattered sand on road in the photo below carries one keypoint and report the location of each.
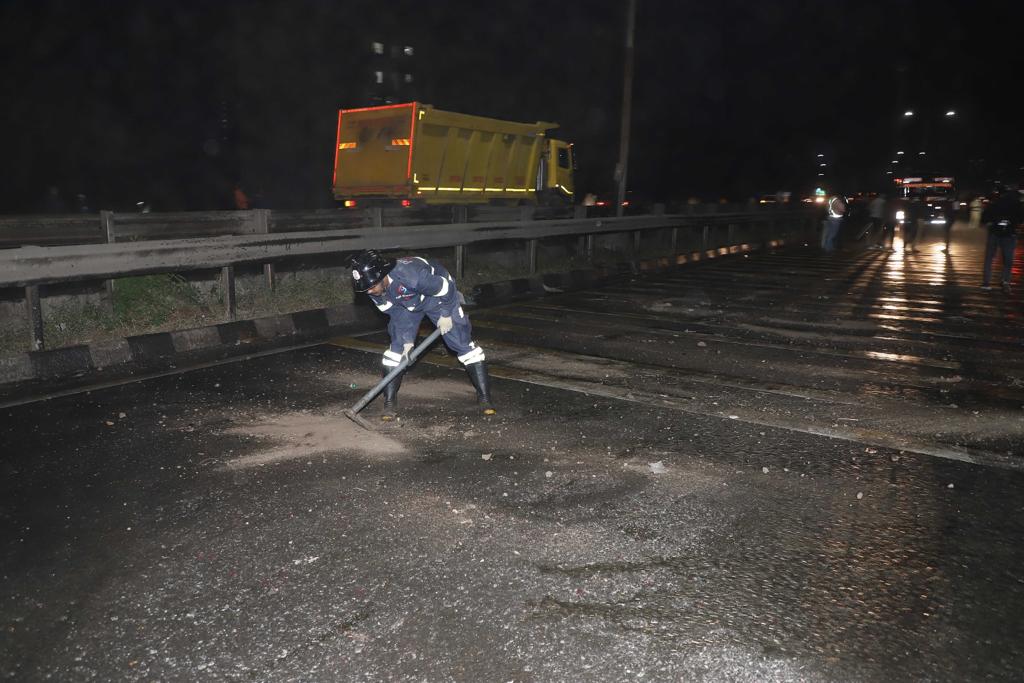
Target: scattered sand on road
(298, 435)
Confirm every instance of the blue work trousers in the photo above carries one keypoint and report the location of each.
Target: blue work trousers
(1006, 244)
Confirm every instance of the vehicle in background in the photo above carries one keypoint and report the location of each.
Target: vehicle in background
(935, 194)
(779, 198)
(413, 154)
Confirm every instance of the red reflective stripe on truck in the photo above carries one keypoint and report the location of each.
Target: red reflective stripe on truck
(412, 137)
(337, 141)
(385, 106)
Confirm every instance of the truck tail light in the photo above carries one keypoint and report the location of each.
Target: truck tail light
(350, 203)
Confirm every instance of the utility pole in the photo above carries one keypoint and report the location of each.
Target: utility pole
(627, 106)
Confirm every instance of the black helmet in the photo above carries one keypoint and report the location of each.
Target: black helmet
(369, 268)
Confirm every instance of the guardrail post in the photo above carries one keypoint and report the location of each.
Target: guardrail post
(526, 213)
(705, 238)
(34, 308)
(262, 218)
(107, 223)
(460, 215)
(579, 212)
(460, 260)
(227, 276)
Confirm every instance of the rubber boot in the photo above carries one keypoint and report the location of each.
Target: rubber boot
(478, 376)
(391, 395)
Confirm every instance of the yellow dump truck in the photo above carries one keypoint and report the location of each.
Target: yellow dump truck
(414, 154)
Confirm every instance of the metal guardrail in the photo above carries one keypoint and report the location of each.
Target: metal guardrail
(29, 267)
(108, 226)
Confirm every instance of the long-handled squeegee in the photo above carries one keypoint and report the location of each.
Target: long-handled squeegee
(353, 412)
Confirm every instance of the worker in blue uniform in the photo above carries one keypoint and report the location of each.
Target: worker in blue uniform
(407, 289)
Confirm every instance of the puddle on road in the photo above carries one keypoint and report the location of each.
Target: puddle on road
(299, 435)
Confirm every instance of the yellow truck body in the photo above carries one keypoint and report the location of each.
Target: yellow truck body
(421, 155)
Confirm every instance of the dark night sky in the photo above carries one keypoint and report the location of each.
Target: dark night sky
(126, 100)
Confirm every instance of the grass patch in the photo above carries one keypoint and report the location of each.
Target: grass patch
(153, 300)
(162, 303)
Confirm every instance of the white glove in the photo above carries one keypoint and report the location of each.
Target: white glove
(406, 348)
(444, 323)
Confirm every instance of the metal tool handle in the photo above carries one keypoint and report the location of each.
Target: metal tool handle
(406, 362)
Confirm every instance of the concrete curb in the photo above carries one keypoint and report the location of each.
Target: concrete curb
(24, 374)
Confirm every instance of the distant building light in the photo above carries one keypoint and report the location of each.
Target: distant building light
(408, 51)
(378, 48)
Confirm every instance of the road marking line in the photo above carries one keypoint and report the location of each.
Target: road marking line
(854, 435)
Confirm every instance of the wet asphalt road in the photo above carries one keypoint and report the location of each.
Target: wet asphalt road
(781, 467)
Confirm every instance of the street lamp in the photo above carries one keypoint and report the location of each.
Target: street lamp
(950, 113)
(908, 113)
(899, 153)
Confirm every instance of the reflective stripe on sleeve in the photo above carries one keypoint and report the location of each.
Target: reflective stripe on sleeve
(474, 356)
(384, 306)
(444, 288)
(391, 359)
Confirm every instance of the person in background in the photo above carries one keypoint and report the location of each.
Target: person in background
(977, 207)
(241, 199)
(53, 202)
(1003, 218)
(949, 211)
(877, 216)
(911, 224)
(837, 207)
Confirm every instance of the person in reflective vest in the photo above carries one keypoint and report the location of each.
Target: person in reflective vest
(407, 289)
(837, 208)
